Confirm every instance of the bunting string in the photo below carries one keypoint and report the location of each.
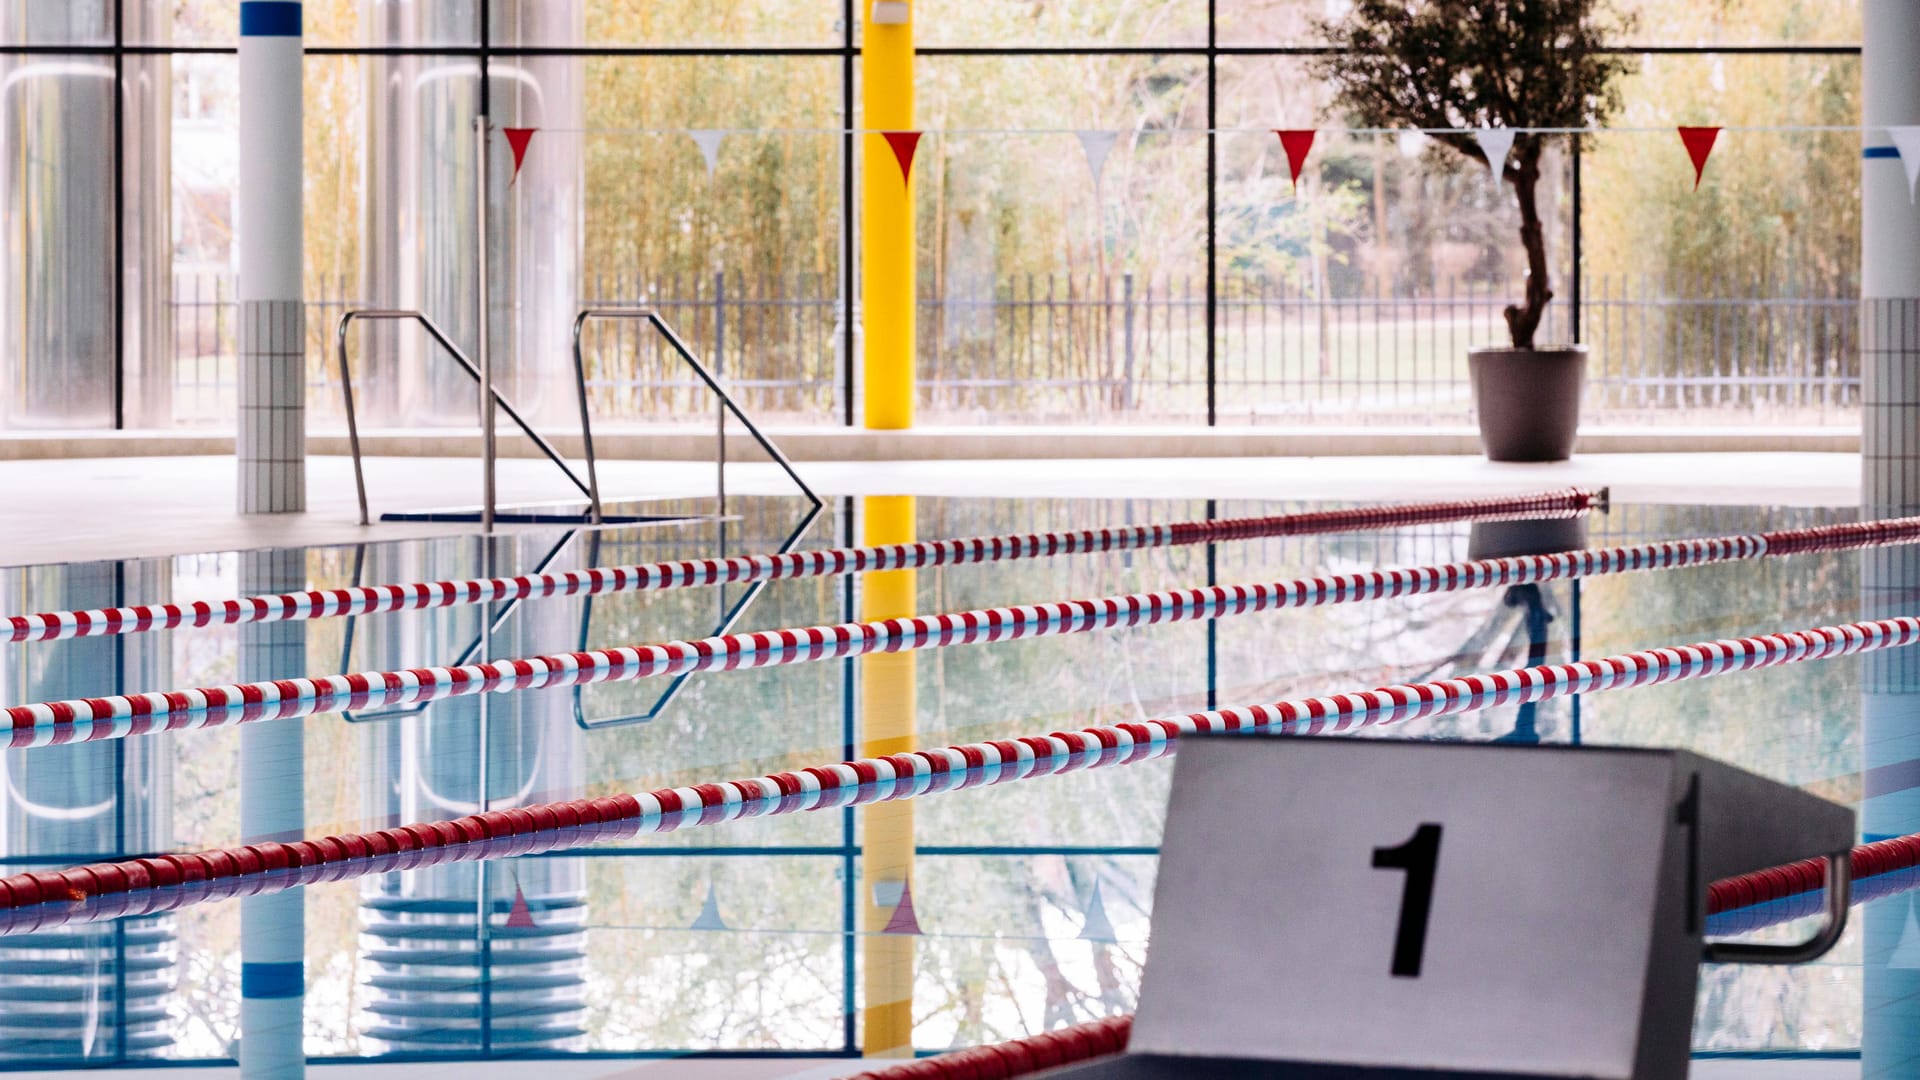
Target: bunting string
(1137, 132)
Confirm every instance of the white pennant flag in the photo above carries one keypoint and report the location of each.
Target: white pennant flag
(1495, 142)
(709, 144)
(1097, 145)
(1907, 141)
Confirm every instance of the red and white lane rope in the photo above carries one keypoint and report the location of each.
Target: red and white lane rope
(372, 599)
(120, 715)
(921, 772)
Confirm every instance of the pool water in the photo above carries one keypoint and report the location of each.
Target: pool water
(1031, 899)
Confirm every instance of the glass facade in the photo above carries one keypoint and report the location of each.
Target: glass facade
(696, 157)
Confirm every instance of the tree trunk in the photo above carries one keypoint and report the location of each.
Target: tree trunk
(1523, 321)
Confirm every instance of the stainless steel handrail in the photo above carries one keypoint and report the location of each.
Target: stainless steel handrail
(727, 404)
(498, 620)
(729, 616)
(589, 488)
(1839, 887)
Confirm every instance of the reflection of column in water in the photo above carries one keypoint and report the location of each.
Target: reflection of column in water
(57, 281)
(61, 989)
(439, 984)
(418, 249)
(1890, 577)
(888, 721)
(273, 790)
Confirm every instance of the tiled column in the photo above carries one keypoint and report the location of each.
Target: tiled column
(1890, 578)
(272, 431)
(273, 807)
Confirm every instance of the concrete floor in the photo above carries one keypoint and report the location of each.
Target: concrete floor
(98, 508)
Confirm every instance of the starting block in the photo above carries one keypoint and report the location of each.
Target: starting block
(1342, 908)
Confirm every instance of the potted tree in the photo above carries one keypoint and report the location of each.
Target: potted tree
(1526, 66)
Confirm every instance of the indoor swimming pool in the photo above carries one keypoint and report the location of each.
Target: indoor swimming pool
(1017, 907)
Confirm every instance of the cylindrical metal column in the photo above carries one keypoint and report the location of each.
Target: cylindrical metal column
(273, 431)
(146, 222)
(442, 981)
(1890, 453)
(419, 230)
(95, 992)
(273, 935)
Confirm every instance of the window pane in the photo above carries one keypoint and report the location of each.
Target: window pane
(1043, 294)
(330, 23)
(1277, 23)
(194, 22)
(56, 270)
(671, 23)
(424, 23)
(1357, 291)
(1742, 291)
(740, 253)
(1021, 23)
(204, 316)
(1281, 23)
(1743, 22)
(64, 22)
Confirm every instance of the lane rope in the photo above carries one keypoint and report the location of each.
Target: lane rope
(270, 866)
(121, 715)
(375, 599)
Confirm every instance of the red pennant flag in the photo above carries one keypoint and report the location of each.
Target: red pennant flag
(904, 143)
(520, 916)
(517, 139)
(903, 920)
(1699, 142)
(1297, 144)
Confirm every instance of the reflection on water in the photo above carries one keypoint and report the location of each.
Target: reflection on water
(1030, 900)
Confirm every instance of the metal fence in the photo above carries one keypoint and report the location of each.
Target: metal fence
(1054, 348)
(206, 341)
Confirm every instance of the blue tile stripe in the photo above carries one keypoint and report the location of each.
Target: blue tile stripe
(1880, 151)
(273, 980)
(269, 18)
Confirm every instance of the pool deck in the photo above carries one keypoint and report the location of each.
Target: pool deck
(79, 509)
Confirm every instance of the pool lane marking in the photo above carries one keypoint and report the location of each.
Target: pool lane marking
(118, 716)
(271, 866)
(375, 599)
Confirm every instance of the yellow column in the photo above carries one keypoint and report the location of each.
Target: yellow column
(886, 219)
(887, 723)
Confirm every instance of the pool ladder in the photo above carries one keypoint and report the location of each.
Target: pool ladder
(590, 486)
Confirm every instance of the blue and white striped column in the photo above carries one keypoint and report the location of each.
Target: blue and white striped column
(273, 429)
(1890, 577)
(273, 934)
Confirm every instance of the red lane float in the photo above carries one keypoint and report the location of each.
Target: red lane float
(904, 776)
(1018, 1057)
(373, 599)
(117, 716)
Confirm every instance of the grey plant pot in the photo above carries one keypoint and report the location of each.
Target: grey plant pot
(1528, 400)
